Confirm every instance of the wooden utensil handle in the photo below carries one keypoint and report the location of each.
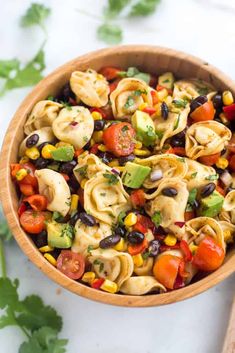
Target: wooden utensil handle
(229, 342)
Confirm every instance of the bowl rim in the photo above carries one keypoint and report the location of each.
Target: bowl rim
(27, 245)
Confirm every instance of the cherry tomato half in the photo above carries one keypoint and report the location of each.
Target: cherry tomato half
(138, 198)
(71, 264)
(166, 268)
(209, 255)
(37, 202)
(209, 160)
(32, 221)
(205, 112)
(119, 139)
(109, 72)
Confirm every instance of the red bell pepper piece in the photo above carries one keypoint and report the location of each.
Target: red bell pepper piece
(186, 251)
(229, 111)
(97, 283)
(179, 283)
(182, 272)
(99, 110)
(138, 197)
(180, 224)
(149, 110)
(167, 247)
(154, 97)
(94, 148)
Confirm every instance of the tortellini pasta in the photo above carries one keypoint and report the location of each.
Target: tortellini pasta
(114, 265)
(86, 235)
(42, 115)
(90, 87)
(228, 231)
(54, 187)
(171, 208)
(145, 269)
(169, 165)
(103, 200)
(74, 125)
(141, 285)
(128, 95)
(198, 174)
(228, 210)
(191, 88)
(175, 123)
(205, 138)
(45, 134)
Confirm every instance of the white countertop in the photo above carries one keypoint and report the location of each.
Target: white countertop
(201, 27)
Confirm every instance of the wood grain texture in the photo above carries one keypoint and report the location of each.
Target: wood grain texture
(148, 58)
(229, 342)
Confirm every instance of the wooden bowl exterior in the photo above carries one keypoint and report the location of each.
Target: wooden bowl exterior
(152, 59)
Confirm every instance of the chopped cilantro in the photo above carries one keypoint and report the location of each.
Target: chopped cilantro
(176, 123)
(112, 179)
(129, 102)
(103, 194)
(138, 92)
(212, 177)
(180, 103)
(192, 196)
(193, 175)
(121, 217)
(159, 134)
(89, 249)
(146, 254)
(157, 218)
(85, 138)
(82, 171)
(125, 128)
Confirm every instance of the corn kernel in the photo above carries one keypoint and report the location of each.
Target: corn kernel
(102, 148)
(143, 152)
(83, 183)
(222, 163)
(170, 240)
(74, 203)
(50, 258)
(92, 142)
(32, 153)
(228, 236)
(138, 144)
(193, 248)
(121, 245)
(120, 168)
(46, 248)
(62, 144)
(158, 112)
(138, 260)
(46, 151)
(162, 94)
(88, 277)
(227, 98)
(114, 163)
(24, 159)
(224, 119)
(109, 286)
(130, 219)
(98, 136)
(96, 116)
(142, 106)
(21, 174)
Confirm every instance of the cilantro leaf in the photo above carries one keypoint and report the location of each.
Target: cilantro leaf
(144, 7)
(193, 175)
(192, 196)
(121, 217)
(180, 103)
(129, 102)
(176, 122)
(7, 66)
(109, 33)
(8, 294)
(115, 7)
(112, 179)
(134, 72)
(212, 177)
(8, 320)
(157, 218)
(35, 15)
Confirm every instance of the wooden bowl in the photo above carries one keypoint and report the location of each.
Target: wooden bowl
(148, 58)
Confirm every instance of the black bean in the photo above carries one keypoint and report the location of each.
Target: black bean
(87, 146)
(65, 94)
(109, 241)
(135, 237)
(197, 102)
(41, 163)
(164, 110)
(73, 184)
(220, 171)
(99, 125)
(54, 166)
(125, 159)
(171, 192)
(32, 140)
(40, 239)
(159, 230)
(120, 231)
(177, 142)
(217, 101)
(106, 157)
(55, 253)
(67, 167)
(207, 189)
(74, 219)
(154, 247)
(87, 219)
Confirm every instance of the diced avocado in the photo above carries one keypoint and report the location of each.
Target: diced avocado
(59, 235)
(166, 80)
(134, 175)
(144, 126)
(63, 154)
(211, 205)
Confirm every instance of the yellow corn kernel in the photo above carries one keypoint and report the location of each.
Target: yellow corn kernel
(138, 144)
(92, 142)
(46, 248)
(130, 219)
(102, 148)
(62, 144)
(46, 151)
(98, 136)
(109, 286)
(83, 182)
(168, 100)
(100, 77)
(32, 153)
(24, 159)
(120, 168)
(227, 98)
(193, 248)
(121, 245)
(21, 174)
(96, 116)
(170, 240)
(143, 152)
(222, 163)
(228, 236)
(88, 277)
(138, 260)
(142, 106)
(224, 119)
(74, 203)
(114, 163)
(162, 94)
(158, 112)
(50, 258)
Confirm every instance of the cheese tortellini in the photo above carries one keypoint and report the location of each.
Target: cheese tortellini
(141, 285)
(205, 138)
(105, 200)
(128, 95)
(45, 134)
(90, 87)
(42, 115)
(228, 210)
(198, 174)
(54, 187)
(191, 88)
(74, 125)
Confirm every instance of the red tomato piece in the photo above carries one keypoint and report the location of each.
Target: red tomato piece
(138, 249)
(231, 144)
(78, 152)
(149, 110)
(113, 85)
(143, 223)
(166, 268)
(97, 283)
(186, 251)
(109, 72)
(209, 160)
(32, 221)
(26, 190)
(154, 97)
(22, 208)
(205, 112)
(65, 176)
(119, 139)
(138, 198)
(71, 264)
(179, 151)
(15, 167)
(232, 163)
(220, 190)
(189, 215)
(37, 202)
(94, 148)
(182, 272)
(229, 111)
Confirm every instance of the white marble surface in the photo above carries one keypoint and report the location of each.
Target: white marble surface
(201, 27)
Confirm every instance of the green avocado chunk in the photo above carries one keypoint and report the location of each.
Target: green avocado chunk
(59, 235)
(134, 175)
(211, 205)
(63, 154)
(144, 126)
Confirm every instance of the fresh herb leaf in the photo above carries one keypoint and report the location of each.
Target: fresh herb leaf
(129, 102)
(82, 171)
(125, 128)
(103, 194)
(35, 15)
(68, 231)
(5, 233)
(157, 218)
(193, 175)
(57, 216)
(203, 91)
(159, 134)
(115, 7)
(121, 217)
(112, 179)
(89, 249)
(212, 177)
(8, 66)
(150, 131)
(144, 7)
(146, 254)
(180, 103)
(8, 294)
(134, 72)
(181, 159)
(192, 196)
(109, 33)
(177, 122)
(138, 92)
(143, 76)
